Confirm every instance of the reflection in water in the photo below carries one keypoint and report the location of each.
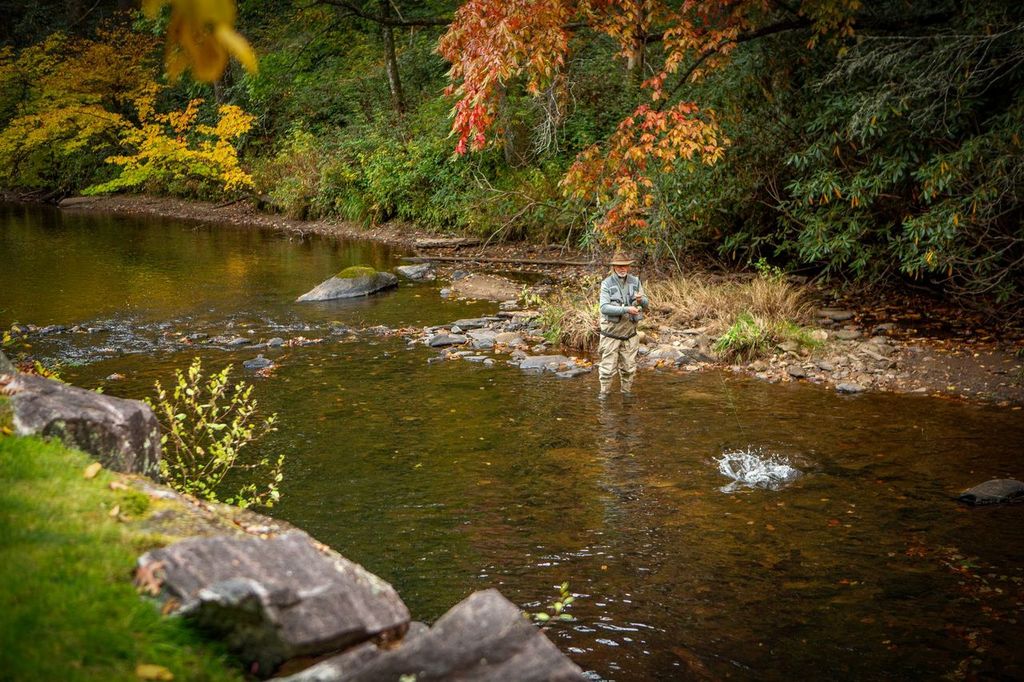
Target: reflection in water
(753, 469)
(452, 477)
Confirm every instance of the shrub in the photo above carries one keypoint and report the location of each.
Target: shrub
(208, 424)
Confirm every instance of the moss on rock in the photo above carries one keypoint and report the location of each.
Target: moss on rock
(356, 271)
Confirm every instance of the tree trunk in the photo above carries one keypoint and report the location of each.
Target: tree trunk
(390, 60)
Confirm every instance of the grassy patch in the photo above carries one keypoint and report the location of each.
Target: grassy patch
(356, 271)
(68, 610)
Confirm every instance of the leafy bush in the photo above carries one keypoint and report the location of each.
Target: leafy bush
(208, 425)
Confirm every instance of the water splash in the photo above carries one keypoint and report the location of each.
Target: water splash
(754, 469)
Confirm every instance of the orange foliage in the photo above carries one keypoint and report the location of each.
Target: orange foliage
(492, 42)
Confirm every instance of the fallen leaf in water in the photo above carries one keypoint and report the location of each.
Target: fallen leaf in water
(832, 523)
(150, 671)
(92, 470)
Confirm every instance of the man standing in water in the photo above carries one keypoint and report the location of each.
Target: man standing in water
(622, 305)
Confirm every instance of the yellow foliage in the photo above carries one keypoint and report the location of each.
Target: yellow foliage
(62, 96)
(173, 149)
(201, 35)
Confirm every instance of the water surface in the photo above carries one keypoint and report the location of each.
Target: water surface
(453, 477)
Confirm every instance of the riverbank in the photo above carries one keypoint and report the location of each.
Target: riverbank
(68, 610)
(906, 344)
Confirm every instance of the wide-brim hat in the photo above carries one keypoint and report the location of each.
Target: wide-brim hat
(621, 258)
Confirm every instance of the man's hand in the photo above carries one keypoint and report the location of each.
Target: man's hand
(633, 310)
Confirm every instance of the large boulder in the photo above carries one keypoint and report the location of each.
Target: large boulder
(276, 599)
(483, 637)
(122, 434)
(996, 491)
(351, 283)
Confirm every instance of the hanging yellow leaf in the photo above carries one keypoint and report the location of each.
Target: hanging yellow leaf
(201, 35)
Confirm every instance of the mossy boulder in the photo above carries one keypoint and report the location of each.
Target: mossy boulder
(351, 282)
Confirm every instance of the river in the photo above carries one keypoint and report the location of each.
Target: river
(453, 477)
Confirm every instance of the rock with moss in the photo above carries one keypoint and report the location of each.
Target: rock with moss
(351, 282)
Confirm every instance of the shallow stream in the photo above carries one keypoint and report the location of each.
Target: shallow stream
(452, 477)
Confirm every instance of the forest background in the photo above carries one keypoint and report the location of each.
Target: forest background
(874, 141)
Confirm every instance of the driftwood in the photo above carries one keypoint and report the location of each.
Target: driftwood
(444, 243)
(487, 259)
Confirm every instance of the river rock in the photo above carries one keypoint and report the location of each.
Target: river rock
(419, 272)
(835, 315)
(6, 366)
(996, 491)
(572, 372)
(258, 362)
(849, 388)
(846, 334)
(439, 340)
(472, 323)
(508, 339)
(796, 371)
(350, 283)
(122, 434)
(483, 637)
(276, 599)
(540, 363)
(666, 353)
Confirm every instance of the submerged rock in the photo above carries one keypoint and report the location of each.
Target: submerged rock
(276, 599)
(350, 283)
(483, 637)
(996, 491)
(122, 434)
(540, 363)
(258, 362)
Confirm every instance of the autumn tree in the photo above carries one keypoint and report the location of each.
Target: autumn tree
(492, 43)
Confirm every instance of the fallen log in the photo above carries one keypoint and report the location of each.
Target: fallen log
(447, 242)
(488, 259)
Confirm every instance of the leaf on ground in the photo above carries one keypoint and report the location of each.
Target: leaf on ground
(151, 671)
(92, 470)
(149, 578)
(115, 511)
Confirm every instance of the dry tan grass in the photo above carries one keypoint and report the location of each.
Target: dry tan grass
(571, 316)
(699, 300)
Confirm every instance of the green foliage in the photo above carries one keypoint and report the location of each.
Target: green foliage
(208, 425)
(68, 610)
(557, 609)
(746, 339)
(752, 336)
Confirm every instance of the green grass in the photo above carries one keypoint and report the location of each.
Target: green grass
(68, 610)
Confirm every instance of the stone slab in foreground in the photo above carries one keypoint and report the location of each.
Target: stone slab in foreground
(275, 599)
(483, 637)
(122, 434)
